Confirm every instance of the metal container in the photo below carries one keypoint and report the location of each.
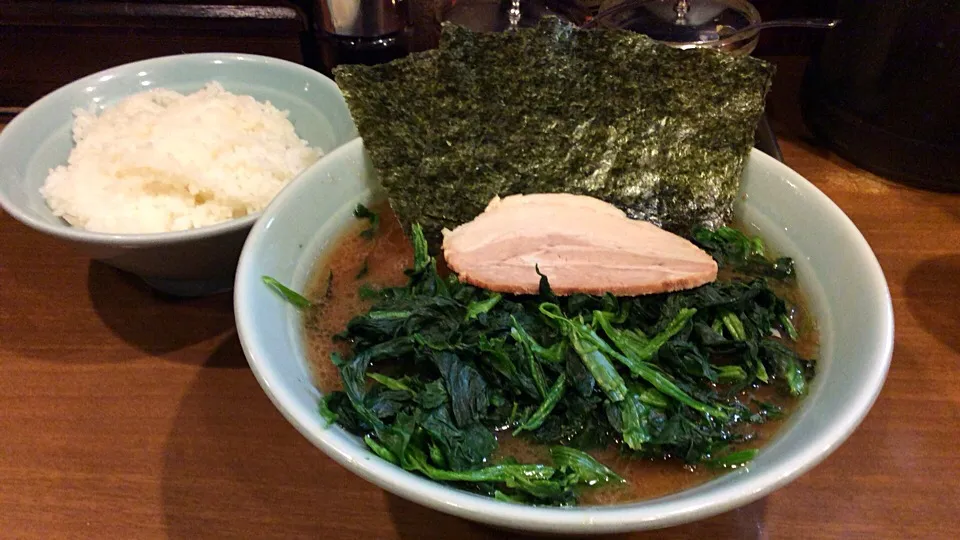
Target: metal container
(494, 15)
(685, 24)
(362, 18)
(360, 31)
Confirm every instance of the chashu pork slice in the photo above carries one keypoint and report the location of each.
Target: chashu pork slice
(581, 244)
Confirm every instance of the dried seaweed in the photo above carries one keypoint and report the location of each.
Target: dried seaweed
(662, 133)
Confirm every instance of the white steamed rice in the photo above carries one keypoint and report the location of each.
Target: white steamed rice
(162, 161)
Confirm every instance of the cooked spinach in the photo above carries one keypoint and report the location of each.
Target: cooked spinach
(362, 212)
(288, 294)
(734, 249)
(364, 270)
(437, 367)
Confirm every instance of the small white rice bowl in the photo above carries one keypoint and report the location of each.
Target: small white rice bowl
(162, 161)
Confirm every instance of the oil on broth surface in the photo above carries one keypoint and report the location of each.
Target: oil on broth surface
(380, 262)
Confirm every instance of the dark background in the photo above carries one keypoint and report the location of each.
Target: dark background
(45, 44)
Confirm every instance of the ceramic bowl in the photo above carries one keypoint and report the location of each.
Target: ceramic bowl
(185, 262)
(847, 293)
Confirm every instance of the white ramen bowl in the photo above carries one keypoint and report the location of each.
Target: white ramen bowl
(847, 293)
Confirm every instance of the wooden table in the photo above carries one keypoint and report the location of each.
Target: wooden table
(126, 415)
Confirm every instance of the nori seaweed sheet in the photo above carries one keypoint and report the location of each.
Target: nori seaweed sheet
(662, 133)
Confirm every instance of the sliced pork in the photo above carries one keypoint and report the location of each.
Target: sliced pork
(580, 243)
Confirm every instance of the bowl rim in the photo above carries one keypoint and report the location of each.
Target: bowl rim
(652, 514)
(133, 240)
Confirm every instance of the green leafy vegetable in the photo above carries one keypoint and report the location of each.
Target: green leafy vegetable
(390, 382)
(733, 325)
(788, 327)
(549, 402)
(785, 364)
(634, 343)
(588, 470)
(362, 212)
(368, 292)
(380, 450)
(475, 309)
(733, 459)
(461, 449)
(600, 366)
(328, 415)
(288, 294)
(364, 270)
(553, 354)
(745, 254)
(466, 387)
(437, 367)
(592, 343)
(635, 418)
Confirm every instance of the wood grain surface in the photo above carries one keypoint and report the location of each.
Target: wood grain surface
(127, 415)
(47, 44)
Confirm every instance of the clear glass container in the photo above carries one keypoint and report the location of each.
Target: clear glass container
(494, 15)
(684, 24)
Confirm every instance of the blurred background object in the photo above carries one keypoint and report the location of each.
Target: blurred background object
(48, 43)
(884, 90)
(881, 88)
(360, 31)
(494, 15)
(732, 26)
(684, 23)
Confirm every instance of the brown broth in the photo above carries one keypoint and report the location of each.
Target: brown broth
(385, 256)
(646, 478)
(389, 253)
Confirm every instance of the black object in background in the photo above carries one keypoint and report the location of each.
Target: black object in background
(335, 50)
(766, 140)
(45, 44)
(360, 31)
(884, 89)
